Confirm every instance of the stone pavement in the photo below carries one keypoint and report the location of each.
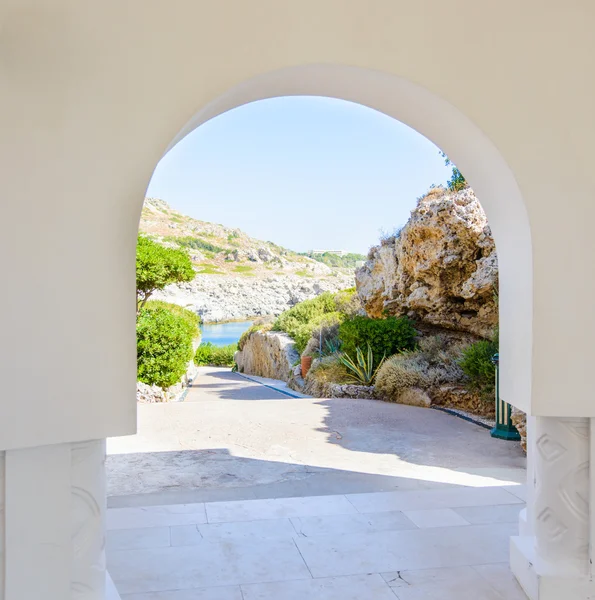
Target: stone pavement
(432, 544)
(244, 493)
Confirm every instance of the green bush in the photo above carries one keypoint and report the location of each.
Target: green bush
(164, 346)
(190, 317)
(215, 356)
(302, 319)
(385, 336)
(476, 363)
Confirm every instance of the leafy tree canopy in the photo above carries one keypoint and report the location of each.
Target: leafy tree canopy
(157, 267)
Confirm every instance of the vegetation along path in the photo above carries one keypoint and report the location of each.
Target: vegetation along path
(236, 439)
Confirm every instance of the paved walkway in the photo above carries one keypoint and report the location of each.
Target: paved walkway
(233, 439)
(243, 493)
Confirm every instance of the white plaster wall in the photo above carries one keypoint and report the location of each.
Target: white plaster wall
(2, 525)
(93, 94)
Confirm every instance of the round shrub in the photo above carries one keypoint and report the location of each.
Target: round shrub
(433, 363)
(476, 363)
(385, 336)
(324, 372)
(164, 346)
(399, 373)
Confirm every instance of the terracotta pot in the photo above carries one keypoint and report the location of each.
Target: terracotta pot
(306, 364)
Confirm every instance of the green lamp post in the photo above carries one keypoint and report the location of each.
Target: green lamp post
(504, 429)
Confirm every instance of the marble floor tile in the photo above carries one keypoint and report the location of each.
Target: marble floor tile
(356, 523)
(482, 515)
(441, 584)
(216, 593)
(156, 516)
(500, 577)
(134, 539)
(430, 499)
(359, 587)
(520, 491)
(252, 510)
(188, 535)
(437, 517)
(208, 564)
(383, 551)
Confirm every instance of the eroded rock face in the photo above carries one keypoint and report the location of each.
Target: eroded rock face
(519, 420)
(268, 354)
(442, 269)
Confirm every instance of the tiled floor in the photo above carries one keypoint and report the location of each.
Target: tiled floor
(410, 545)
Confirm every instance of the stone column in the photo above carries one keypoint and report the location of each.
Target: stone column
(552, 556)
(561, 510)
(52, 522)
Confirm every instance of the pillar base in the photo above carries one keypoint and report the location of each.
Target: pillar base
(539, 585)
(505, 433)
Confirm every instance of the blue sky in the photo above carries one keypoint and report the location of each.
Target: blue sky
(302, 172)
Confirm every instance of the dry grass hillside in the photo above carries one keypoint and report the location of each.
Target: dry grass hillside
(219, 250)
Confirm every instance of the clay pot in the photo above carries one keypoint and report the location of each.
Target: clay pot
(306, 363)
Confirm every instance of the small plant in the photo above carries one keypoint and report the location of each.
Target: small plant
(363, 370)
(331, 346)
(476, 363)
(457, 181)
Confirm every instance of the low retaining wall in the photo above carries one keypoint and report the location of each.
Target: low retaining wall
(269, 354)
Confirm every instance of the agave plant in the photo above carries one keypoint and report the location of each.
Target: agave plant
(331, 346)
(362, 368)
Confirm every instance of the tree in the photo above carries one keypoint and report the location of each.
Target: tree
(457, 182)
(157, 267)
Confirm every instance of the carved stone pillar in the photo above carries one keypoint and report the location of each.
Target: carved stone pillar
(552, 556)
(561, 510)
(52, 522)
(88, 520)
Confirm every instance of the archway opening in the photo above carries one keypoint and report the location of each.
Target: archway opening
(474, 155)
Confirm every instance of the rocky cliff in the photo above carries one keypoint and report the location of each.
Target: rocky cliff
(441, 269)
(223, 298)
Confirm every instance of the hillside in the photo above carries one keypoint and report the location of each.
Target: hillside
(238, 276)
(219, 250)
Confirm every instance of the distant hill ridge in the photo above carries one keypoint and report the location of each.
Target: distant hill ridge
(219, 250)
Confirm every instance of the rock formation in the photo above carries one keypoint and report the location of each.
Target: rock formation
(441, 269)
(267, 354)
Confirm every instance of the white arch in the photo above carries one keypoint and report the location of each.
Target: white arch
(465, 144)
